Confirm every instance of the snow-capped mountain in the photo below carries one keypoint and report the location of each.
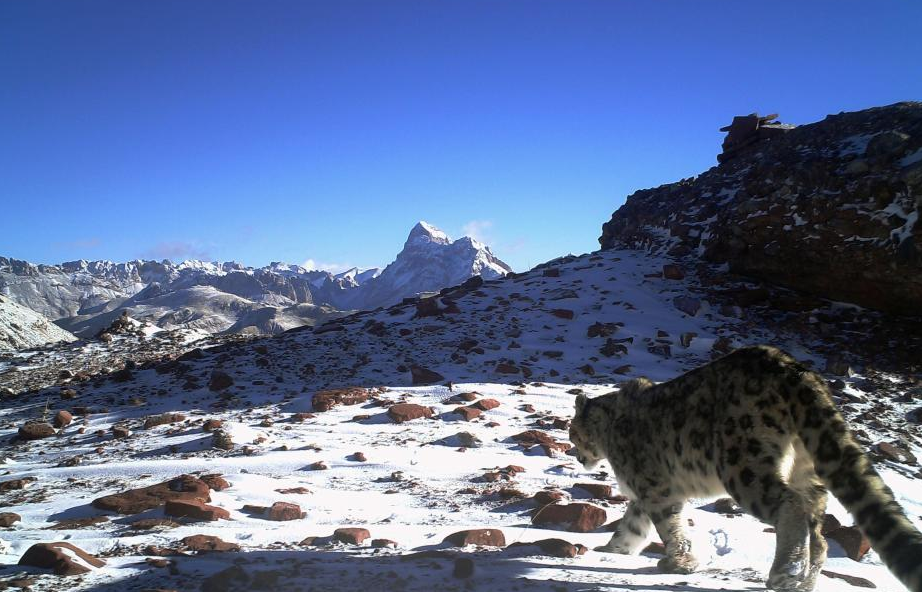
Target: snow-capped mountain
(84, 297)
(22, 328)
(429, 261)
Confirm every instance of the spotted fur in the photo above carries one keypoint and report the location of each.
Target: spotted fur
(760, 427)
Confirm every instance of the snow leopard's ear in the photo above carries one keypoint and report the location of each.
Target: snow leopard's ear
(581, 401)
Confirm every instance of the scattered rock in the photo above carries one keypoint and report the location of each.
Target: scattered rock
(219, 380)
(197, 510)
(63, 558)
(596, 490)
(555, 547)
(485, 537)
(222, 440)
(468, 413)
(62, 419)
(211, 425)
(134, 501)
(163, 419)
(326, 400)
(203, 543)
(853, 580)
(575, 517)
(282, 511)
(351, 536)
(215, 482)
(402, 412)
(563, 313)
(14, 484)
(486, 404)
(851, 539)
(687, 304)
(7, 519)
(151, 523)
(35, 430)
(383, 543)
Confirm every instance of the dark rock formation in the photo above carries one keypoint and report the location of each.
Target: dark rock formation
(828, 208)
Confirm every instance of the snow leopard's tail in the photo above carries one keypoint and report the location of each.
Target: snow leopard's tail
(847, 471)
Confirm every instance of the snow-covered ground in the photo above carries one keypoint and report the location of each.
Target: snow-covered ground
(524, 342)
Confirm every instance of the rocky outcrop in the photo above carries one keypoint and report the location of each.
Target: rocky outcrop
(22, 328)
(830, 208)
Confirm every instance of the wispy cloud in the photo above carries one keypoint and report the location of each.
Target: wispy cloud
(80, 243)
(177, 251)
(479, 230)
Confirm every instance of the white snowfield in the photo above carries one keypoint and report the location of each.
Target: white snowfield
(22, 328)
(418, 484)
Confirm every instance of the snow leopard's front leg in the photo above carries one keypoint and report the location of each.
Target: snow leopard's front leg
(667, 518)
(631, 533)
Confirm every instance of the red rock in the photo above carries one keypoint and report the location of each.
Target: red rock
(294, 490)
(134, 501)
(204, 543)
(326, 400)
(830, 523)
(485, 537)
(359, 457)
(596, 490)
(555, 547)
(851, 539)
(546, 497)
(533, 437)
(563, 313)
(219, 380)
(196, 510)
(163, 419)
(575, 517)
(35, 430)
(215, 482)
(63, 558)
(383, 543)
(402, 412)
(462, 398)
(7, 519)
(282, 511)
(318, 466)
(468, 413)
(120, 432)
(351, 536)
(486, 404)
(157, 562)
(75, 523)
(15, 484)
(62, 419)
(211, 425)
(656, 548)
(422, 375)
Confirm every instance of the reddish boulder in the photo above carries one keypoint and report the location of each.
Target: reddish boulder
(63, 558)
(134, 501)
(351, 536)
(545, 497)
(35, 430)
(15, 484)
(163, 419)
(563, 313)
(402, 412)
(326, 400)
(575, 517)
(595, 490)
(62, 419)
(203, 543)
(282, 511)
(215, 482)
(197, 510)
(485, 537)
(7, 519)
(468, 413)
(486, 404)
(211, 425)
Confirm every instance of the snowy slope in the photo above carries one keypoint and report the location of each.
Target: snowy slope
(22, 328)
(526, 341)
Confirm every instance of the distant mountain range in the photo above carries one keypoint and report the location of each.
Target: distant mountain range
(84, 297)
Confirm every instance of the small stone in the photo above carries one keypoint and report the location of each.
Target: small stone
(203, 543)
(545, 497)
(359, 457)
(211, 425)
(120, 432)
(196, 510)
(215, 482)
(468, 413)
(575, 517)
(555, 547)
(852, 580)
(383, 543)
(595, 490)
(62, 419)
(563, 313)
(163, 419)
(486, 404)
(852, 540)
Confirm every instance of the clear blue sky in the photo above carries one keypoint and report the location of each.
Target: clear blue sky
(295, 130)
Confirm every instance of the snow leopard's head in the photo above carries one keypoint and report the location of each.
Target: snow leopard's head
(584, 435)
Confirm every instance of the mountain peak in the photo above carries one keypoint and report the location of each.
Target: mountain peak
(424, 233)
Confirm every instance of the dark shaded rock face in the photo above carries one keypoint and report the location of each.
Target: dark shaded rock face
(830, 208)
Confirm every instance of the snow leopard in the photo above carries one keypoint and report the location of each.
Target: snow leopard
(759, 426)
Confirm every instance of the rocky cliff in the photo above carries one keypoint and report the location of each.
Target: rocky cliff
(830, 208)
